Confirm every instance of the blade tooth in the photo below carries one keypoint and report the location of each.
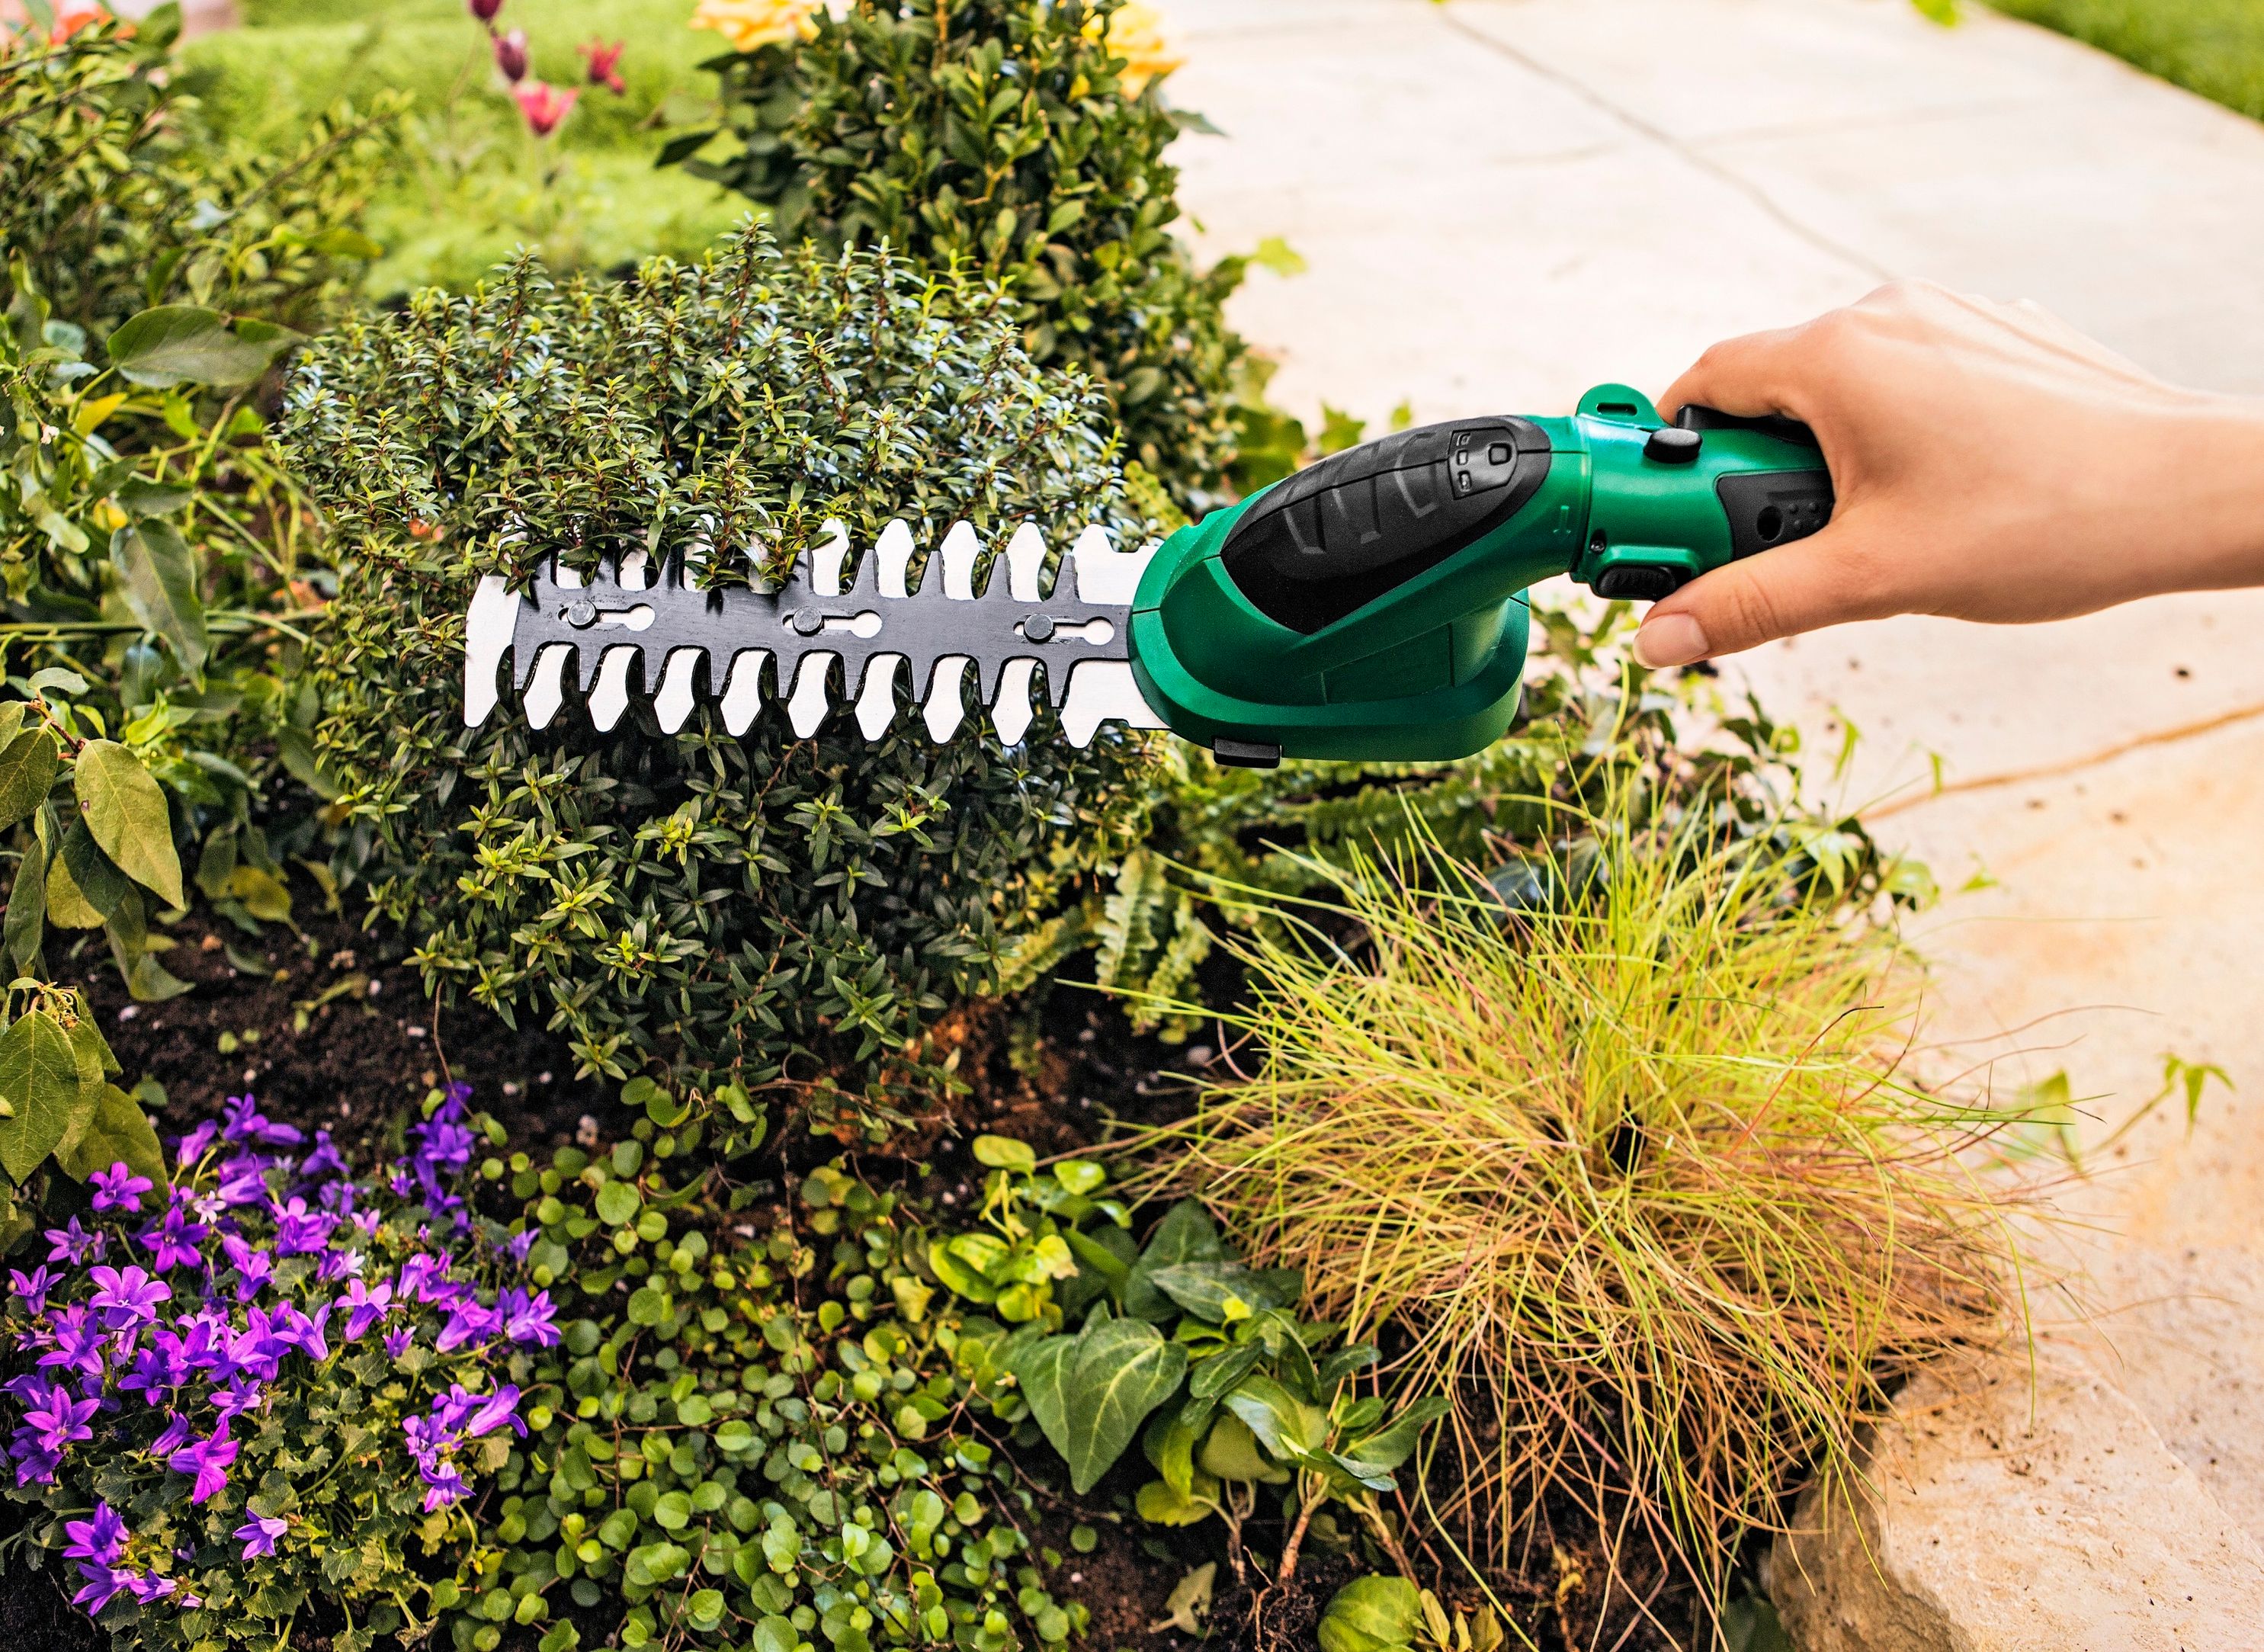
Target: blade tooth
(1105, 575)
(807, 707)
(674, 702)
(1010, 711)
(892, 557)
(611, 698)
(947, 697)
(742, 694)
(589, 660)
(960, 552)
(827, 558)
(488, 631)
(548, 692)
(634, 571)
(876, 700)
(1104, 690)
(1025, 562)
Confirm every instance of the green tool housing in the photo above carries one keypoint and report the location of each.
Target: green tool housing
(1372, 605)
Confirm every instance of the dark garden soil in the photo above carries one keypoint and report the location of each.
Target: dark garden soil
(328, 1028)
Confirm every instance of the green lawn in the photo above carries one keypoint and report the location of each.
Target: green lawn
(475, 184)
(2215, 48)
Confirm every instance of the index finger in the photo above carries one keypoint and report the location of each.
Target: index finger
(1748, 376)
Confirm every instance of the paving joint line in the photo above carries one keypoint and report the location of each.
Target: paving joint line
(1666, 139)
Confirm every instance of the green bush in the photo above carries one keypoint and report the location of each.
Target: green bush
(1006, 137)
(775, 1441)
(780, 911)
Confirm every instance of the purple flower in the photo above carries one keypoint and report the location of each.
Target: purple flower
(365, 1307)
(52, 1423)
(326, 1164)
(208, 1461)
(174, 1241)
(74, 1244)
(295, 1330)
(529, 1319)
(252, 1267)
(32, 1288)
(522, 1242)
(118, 1188)
(77, 1343)
(128, 1296)
(233, 1401)
(339, 1264)
(243, 1181)
(241, 1120)
(467, 1322)
(101, 1585)
(102, 1539)
(299, 1231)
(147, 1588)
(397, 1341)
(191, 1148)
(174, 1435)
(258, 1533)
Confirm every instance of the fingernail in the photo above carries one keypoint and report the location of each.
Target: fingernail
(1669, 639)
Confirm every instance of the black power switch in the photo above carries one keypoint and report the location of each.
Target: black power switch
(1638, 582)
(1672, 446)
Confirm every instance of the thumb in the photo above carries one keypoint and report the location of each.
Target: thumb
(1799, 587)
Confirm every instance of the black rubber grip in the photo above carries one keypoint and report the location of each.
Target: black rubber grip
(1694, 418)
(1340, 533)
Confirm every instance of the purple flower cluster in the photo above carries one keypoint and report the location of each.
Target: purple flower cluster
(149, 1337)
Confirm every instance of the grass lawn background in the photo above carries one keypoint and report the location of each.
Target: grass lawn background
(475, 184)
(2215, 48)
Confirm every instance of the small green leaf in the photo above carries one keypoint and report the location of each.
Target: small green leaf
(1004, 1152)
(647, 1305)
(124, 810)
(618, 1203)
(159, 576)
(118, 1132)
(186, 344)
(40, 1081)
(1160, 1504)
(27, 770)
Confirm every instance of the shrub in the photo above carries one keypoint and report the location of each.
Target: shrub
(776, 911)
(1622, 1159)
(1019, 140)
(267, 1388)
(782, 1436)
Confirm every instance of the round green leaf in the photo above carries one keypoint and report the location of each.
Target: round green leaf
(1004, 1152)
(617, 1203)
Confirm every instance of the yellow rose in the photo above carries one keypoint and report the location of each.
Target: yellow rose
(750, 23)
(1137, 33)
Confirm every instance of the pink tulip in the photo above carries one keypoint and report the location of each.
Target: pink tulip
(603, 58)
(510, 55)
(544, 106)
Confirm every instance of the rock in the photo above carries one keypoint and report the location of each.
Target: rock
(2007, 1519)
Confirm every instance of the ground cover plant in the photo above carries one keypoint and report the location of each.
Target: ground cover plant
(1022, 142)
(267, 1389)
(1620, 1156)
(766, 911)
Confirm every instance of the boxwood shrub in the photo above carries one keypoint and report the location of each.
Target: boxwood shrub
(768, 910)
(1007, 138)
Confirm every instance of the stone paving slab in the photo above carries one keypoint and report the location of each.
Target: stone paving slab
(1503, 201)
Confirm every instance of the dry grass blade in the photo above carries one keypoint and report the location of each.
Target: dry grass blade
(1637, 1179)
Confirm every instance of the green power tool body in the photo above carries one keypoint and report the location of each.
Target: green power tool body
(1370, 607)
(1373, 606)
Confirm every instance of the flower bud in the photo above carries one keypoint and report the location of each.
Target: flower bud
(510, 55)
(483, 9)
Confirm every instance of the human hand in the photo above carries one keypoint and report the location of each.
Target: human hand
(1990, 462)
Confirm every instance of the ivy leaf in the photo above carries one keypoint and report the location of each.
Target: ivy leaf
(1124, 1369)
(124, 810)
(1285, 1426)
(1388, 1447)
(40, 1081)
(1186, 1233)
(1222, 1291)
(159, 576)
(27, 769)
(1043, 1371)
(187, 343)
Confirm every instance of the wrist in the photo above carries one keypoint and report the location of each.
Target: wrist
(2209, 501)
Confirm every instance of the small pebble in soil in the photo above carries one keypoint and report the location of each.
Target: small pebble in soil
(586, 1133)
(1199, 1055)
(543, 1078)
(414, 1030)
(511, 1087)
(373, 987)
(127, 1011)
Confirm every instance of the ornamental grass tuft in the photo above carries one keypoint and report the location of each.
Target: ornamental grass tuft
(1620, 1150)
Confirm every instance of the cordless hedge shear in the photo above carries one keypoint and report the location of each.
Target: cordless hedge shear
(1371, 605)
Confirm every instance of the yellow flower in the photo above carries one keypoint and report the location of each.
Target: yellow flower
(750, 23)
(1137, 33)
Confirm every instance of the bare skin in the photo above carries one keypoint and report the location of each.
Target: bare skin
(1992, 464)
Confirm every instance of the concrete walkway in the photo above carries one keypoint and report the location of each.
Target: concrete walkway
(1502, 201)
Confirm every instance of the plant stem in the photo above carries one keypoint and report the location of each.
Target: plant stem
(1306, 1505)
